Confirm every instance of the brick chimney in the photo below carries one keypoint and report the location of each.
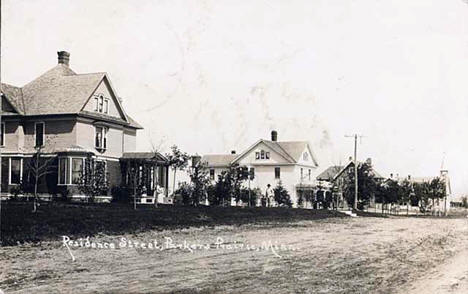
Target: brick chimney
(274, 136)
(233, 152)
(63, 57)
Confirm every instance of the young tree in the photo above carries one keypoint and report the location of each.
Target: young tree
(94, 181)
(406, 189)
(201, 181)
(178, 160)
(282, 195)
(422, 194)
(38, 167)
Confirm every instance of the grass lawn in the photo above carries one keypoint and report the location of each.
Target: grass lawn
(53, 220)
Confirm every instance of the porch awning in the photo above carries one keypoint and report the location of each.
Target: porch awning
(149, 157)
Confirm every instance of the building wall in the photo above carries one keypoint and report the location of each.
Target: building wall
(129, 140)
(104, 89)
(59, 134)
(13, 133)
(86, 132)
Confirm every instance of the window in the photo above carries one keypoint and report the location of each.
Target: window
(252, 173)
(2, 134)
(15, 171)
(101, 138)
(63, 171)
(39, 133)
(262, 154)
(212, 173)
(310, 174)
(277, 173)
(305, 156)
(302, 173)
(77, 170)
(101, 166)
(101, 103)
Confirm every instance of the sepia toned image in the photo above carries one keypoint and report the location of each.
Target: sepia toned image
(218, 146)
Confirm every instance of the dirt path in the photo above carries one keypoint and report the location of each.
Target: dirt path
(344, 256)
(449, 278)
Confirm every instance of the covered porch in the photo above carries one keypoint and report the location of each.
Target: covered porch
(146, 173)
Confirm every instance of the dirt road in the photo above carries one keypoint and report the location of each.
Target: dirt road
(362, 255)
(448, 278)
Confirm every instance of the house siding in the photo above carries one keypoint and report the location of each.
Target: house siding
(59, 134)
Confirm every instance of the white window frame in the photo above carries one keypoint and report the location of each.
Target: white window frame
(10, 170)
(104, 131)
(2, 130)
(58, 169)
(96, 103)
(43, 133)
(106, 106)
(71, 168)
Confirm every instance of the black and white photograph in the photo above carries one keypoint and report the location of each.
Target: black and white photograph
(221, 146)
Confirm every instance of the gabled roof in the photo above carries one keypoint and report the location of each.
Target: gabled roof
(60, 91)
(329, 173)
(351, 163)
(218, 160)
(291, 151)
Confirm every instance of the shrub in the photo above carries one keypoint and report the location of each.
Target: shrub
(185, 190)
(120, 194)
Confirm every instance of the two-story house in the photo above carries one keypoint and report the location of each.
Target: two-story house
(270, 161)
(68, 116)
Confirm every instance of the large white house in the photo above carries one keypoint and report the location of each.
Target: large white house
(270, 161)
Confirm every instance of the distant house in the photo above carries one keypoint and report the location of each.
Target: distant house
(70, 116)
(331, 181)
(270, 161)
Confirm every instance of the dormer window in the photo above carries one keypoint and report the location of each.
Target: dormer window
(101, 138)
(101, 104)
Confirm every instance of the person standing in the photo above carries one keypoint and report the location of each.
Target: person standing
(269, 195)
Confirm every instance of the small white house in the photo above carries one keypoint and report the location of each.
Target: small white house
(270, 161)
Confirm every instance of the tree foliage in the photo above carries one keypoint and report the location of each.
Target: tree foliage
(282, 196)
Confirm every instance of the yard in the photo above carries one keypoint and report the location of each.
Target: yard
(321, 254)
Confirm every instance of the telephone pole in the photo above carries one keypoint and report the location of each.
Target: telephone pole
(355, 136)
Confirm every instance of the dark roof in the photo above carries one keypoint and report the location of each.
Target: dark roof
(376, 174)
(218, 160)
(329, 173)
(59, 91)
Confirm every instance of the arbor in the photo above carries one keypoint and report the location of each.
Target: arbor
(38, 167)
(178, 160)
(282, 195)
(94, 180)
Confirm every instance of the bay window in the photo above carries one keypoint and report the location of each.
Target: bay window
(15, 171)
(63, 171)
(77, 170)
(70, 170)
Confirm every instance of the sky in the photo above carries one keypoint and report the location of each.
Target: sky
(215, 76)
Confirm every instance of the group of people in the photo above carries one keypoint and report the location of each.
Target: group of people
(268, 199)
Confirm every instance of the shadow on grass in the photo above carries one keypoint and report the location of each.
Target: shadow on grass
(52, 220)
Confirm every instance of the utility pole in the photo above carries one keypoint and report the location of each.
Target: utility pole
(355, 136)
